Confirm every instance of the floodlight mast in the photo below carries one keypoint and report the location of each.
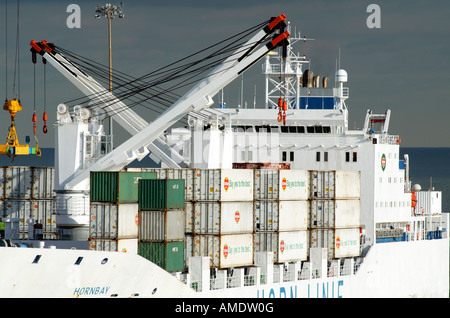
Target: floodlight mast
(110, 12)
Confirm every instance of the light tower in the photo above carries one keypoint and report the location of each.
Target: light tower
(110, 12)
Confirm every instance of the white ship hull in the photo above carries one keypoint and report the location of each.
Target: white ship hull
(400, 269)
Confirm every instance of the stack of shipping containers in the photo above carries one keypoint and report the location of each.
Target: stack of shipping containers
(336, 212)
(161, 222)
(27, 194)
(281, 213)
(221, 217)
(114, 216)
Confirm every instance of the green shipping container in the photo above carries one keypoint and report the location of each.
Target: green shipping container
(117, 186)
(167, 255)
(161, 194)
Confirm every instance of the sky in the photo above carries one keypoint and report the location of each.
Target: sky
(402, 66)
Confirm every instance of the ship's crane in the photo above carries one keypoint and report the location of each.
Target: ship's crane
(196, 99)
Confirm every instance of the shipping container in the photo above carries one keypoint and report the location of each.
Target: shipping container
(335, 184)
(266, 216)
(189, 217)
(43, 183)
(167, 255)
(223, 217)
(161, 194)
(18, 182)
(186, 174)
(294, 185)
(37, 214)
(113, 221)
(225, 251)
(117, 186)
(428, 202)
(161, 226)
(293, 215)
(288, 246)
(266, 184)
(223, 185)
(347, 243)
(335, 213)
(339, 243)
(118, 245)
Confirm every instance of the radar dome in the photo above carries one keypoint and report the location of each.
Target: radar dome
(341, 76)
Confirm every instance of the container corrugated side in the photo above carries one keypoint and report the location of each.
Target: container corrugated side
(323, 184)
(117, 186)
(161, 194)
(223, 185)
(186, 174)
(113, 221)
(18, 182)
(167, 255)
(223, 217)
(335, 213)
(266, 216)
(294, 185)
(266, 183)
(119, 245)
(43, 183)
(323, 238)
(161, 226)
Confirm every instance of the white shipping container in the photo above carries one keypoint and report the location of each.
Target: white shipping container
(266, 183)
(113, 221)
(323, 238)
(335, 213)
(293, 246)
(294, 185)
(161, 226)
(322, 214)
(428, 202)
(18, 182)
(42, 213)
(338, 242)
(347, 213)
(43, 182)
(335, 184)
(224, 251)
(223, 217)
(120, 245)
(223, 185)
(189, 214)
(347, 243)
(293, 215)
(286, 246)
(348, 185)
(236, 250)
(266, 216)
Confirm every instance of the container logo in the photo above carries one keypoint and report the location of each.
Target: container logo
(226, 184)
(237, 216)
(136, 219)
(225, 250)
(284, 184)
(338, 242)
(282, 246)
(383, 162)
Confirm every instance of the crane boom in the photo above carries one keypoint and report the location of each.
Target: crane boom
(196, 99)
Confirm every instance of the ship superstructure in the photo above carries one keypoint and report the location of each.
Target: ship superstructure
(280, 201)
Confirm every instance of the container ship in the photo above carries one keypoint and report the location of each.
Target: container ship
(277, 201)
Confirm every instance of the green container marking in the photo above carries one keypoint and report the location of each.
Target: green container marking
(167, 255)
(161, 194)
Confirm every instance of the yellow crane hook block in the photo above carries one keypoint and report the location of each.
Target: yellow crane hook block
(12, 146)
